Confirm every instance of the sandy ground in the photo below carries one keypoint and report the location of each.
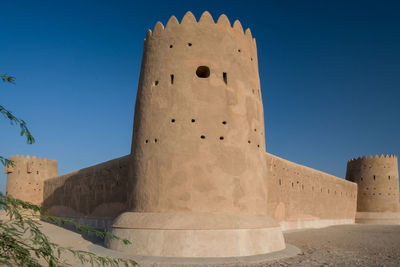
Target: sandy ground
(345, 245)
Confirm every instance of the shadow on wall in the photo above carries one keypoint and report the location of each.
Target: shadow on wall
(93, 196)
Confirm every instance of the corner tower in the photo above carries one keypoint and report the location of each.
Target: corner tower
(197, 172)
(199, 125)
(378, 183)
(25, 179)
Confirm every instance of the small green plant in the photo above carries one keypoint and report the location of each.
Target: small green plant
(22, 243)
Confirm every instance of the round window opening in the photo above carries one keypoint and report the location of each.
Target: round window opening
(203, 72)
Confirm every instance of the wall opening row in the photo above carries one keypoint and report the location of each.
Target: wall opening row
(202, 72)
(373, 177)
(190, 44)
(312, 188)
(172, 46)
(194, 120)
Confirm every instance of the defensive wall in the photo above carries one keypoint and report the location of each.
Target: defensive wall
(302, 197)
(93, 196)
(298, 196)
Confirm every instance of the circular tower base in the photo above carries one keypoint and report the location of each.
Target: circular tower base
(196, 235)
(378, 217)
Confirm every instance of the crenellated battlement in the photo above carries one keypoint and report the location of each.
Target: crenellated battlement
(205, 21)
(30, 164)
(371, 157)
(28, 157)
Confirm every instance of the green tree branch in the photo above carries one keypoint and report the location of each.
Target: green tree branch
(22, 124)
(14, 120)
(7, 78)
(22, 243)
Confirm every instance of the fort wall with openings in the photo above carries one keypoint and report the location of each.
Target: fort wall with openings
(26, 177)
(198, 182)
(93, 196)
(302, 197)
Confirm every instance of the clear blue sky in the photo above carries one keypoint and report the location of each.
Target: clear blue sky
(330, 75)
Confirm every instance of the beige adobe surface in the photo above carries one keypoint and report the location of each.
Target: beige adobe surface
(300, 197)
(196, 235)
(174, 169)
(25, 179)
(93, 196)
(378, 217)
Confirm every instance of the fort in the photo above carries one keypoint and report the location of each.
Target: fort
(198, 181)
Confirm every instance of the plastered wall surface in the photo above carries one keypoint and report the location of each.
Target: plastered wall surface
(198, 141)
(299, 193)
(25, 179)
(378, 183)
(94, 195)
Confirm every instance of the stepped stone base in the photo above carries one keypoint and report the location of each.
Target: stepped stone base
(318, 223)
(196, 235)
(378, 217)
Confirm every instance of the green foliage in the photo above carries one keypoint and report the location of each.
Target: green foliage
(23, 244)
(6, 162)
(7, 78)
(14, 120)
(22, 124)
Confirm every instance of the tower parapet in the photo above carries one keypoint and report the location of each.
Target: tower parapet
(378, 182)
(25, 179)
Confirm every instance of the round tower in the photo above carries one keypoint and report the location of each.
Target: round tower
(378, 183)
(25, 178)
(198, 145)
